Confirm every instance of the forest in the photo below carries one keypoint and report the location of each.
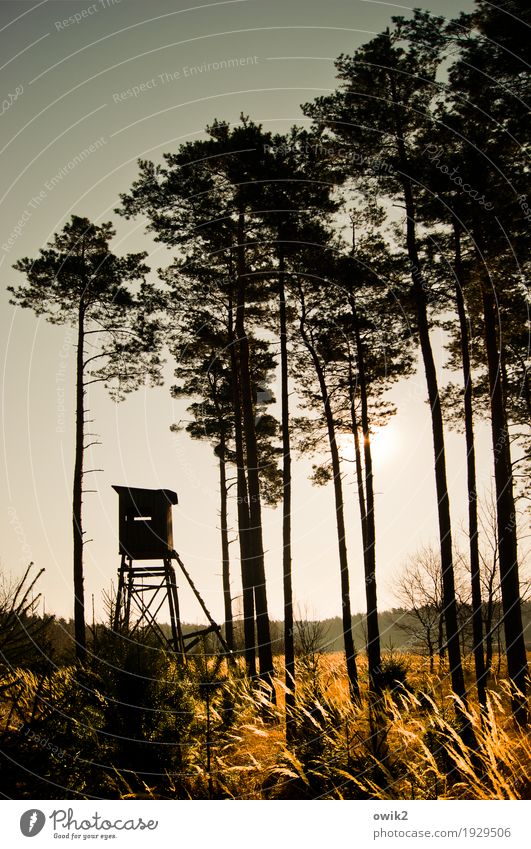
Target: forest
(309, 272)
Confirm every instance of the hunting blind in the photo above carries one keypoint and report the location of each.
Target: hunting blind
(144, 589)
(145, 522)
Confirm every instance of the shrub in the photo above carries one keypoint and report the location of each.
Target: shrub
(393, 674)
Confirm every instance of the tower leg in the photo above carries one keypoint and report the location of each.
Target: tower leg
(173, 604)
(214, 627)
(145, 596)
(119, 595)
(129, 594)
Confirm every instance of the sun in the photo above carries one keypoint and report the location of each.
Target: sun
(384, 445)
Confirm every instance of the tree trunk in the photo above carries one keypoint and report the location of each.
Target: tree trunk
(242, 499)
(77, 494)
(488, 653)
(462, 634)
(440, 638)
(489, 628)
(225, 558)
(357, 456)
(430, 653)
(506, 513)
(289, 642)
(499, 644)
(443, 501)
(265, 653)
(350, 652)
(369, 558)
(475, 575)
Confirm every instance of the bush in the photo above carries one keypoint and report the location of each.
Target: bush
(24, 636)
(393, 674)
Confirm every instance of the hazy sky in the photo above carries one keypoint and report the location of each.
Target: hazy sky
(64, 85)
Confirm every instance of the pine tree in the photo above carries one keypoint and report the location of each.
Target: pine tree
(377, 114)
(78, 281)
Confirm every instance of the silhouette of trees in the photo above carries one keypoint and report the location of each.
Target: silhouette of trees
(318, 263)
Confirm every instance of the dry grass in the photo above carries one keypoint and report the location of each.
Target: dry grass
(408, 746)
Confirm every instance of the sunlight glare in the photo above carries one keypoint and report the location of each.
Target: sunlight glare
(384, 444)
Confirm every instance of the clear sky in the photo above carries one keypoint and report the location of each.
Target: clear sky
(66, 71)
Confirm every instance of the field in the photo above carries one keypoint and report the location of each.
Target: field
(136, 725)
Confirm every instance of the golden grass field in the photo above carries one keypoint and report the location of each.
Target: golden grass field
(228, 740)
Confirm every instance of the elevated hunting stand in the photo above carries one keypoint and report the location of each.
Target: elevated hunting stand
(145, 534)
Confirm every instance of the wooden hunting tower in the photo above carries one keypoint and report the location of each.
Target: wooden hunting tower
(146, 534)
(145, 526)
